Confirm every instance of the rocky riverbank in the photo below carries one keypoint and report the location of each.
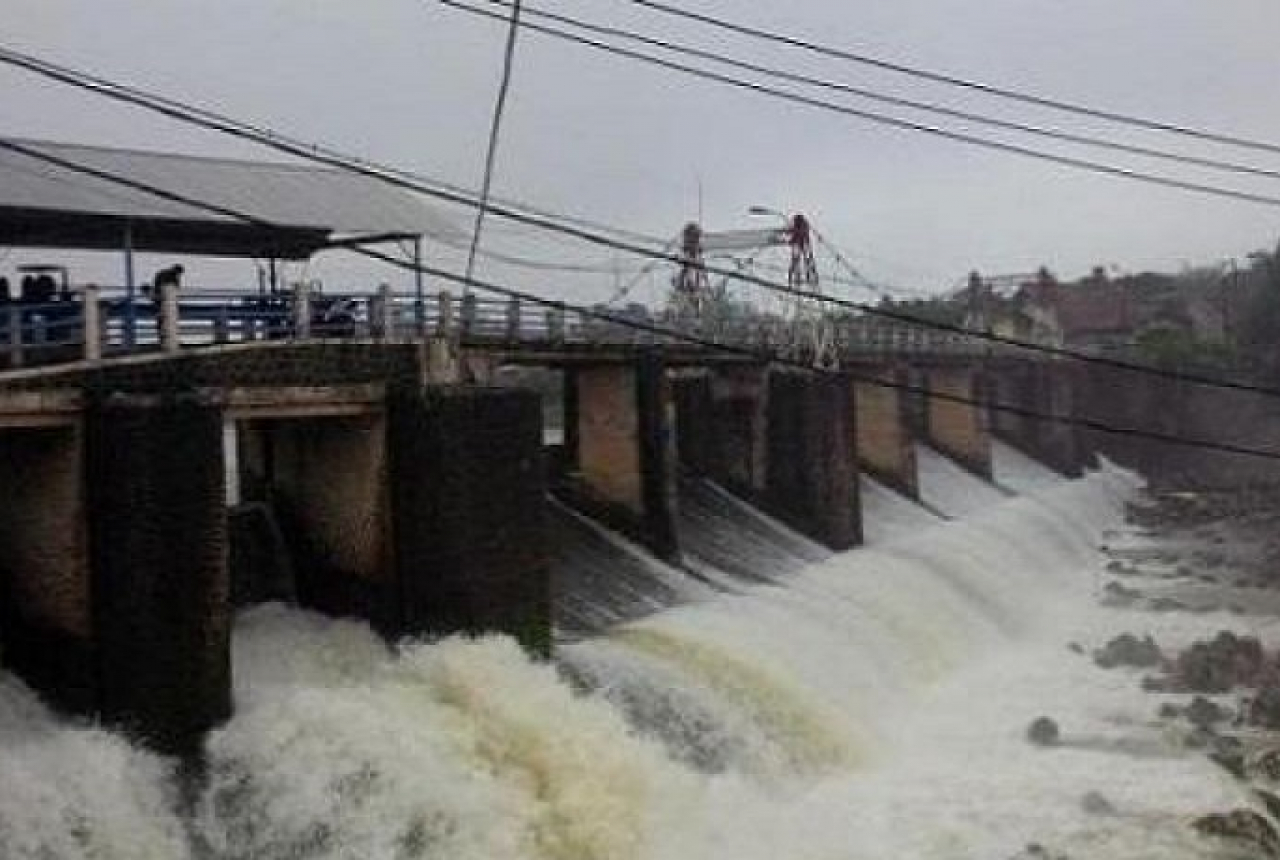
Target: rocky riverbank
(1213, 553)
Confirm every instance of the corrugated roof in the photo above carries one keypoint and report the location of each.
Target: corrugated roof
(296, 197)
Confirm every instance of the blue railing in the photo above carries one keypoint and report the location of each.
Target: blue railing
(60, 331)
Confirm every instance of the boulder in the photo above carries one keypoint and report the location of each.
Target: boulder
(1264, 766)
(1243, 828)
(1128, 650)
(1115, 594)
(1095, 803)
(1217, 665)
(1264, 709)
(1043, 731)
(1269, 801)
(1203, 712)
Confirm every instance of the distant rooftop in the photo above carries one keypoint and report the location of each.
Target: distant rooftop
(43, 204)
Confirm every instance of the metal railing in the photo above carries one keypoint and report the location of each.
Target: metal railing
(97, 322)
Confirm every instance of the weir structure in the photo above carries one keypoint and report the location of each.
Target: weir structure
(396, 481)
(167, 455)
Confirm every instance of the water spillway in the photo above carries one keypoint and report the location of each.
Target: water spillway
(867, 705)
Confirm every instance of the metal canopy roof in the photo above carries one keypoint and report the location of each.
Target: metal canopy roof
(49, 205)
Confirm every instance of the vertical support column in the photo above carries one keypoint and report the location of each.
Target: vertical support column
(468, 521)
(470, 308)
(555, 325)
(513, 320)
(695, 423)
(158, 548)
(445, 324)
(222, 325)
(170, 339)
(957, 423)
(570, 420)
(1058, 443)
(656, 423)
(16, 358)
(885, 444)
(385, 313)
(302, 310)
(811, 474)
(130, 291)
(92, 322)
(419, 294)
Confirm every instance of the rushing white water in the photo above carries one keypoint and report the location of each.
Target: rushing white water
(1018, 472)
(887, 514)
(947, 488)
(869, 706)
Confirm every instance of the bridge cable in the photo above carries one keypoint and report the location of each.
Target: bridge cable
(205, 119)
(755, 353)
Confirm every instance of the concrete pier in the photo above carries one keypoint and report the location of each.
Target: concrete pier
(1038, 388)
(811, 474)
(161, 608)
(468, 496)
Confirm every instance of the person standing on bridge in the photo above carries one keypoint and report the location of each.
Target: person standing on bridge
(169, 277)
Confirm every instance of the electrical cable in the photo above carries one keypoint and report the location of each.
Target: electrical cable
(953, 80)
(185, 112)
(1074, 162)
(754, 353)
(495, 131)
(897, 101)
(170, 108)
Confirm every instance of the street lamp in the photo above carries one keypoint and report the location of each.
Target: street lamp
(765, 210)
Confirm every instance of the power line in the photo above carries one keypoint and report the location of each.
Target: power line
(954, 80)
(262, 135)
(495, 130)
(882, 119)
(171, 108)
(897, 101)
(755, 353)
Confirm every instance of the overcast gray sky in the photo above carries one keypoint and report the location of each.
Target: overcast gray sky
(411, 82)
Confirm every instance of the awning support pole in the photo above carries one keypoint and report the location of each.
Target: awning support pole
(130, 290)
(419, 297)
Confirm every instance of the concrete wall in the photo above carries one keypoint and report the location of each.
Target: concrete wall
(263, 363)
(46, 623)
(1126, 400)
(958, 427)
(885, 444)
(1032, 389)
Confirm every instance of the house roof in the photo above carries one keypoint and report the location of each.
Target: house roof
(1093, 309)
(46, 204)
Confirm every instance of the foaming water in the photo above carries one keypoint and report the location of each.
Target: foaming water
(950, 490)
(867, 706)
(79, 793)
(1015, 470)
(887, 514)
